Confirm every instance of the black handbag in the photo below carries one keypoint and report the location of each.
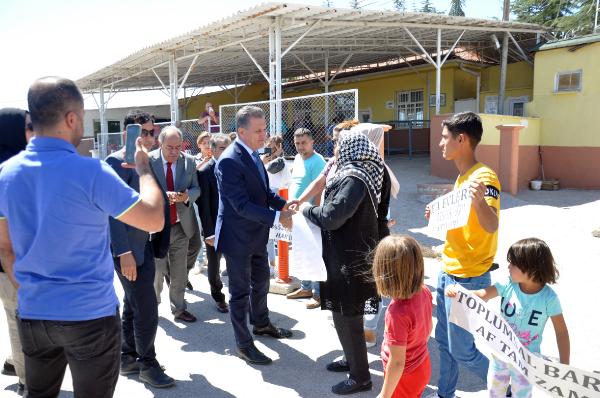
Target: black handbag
(275, 166)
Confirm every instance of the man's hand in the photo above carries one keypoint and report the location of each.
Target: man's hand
(477, 191)
(172, 196)
(292, 205)
(427, 212)
(451, 291)
(285, 218)
(182, 197)
(128, 267)
(286, 222)
(210, 241)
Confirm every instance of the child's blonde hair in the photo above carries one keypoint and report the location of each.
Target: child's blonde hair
(398, 267)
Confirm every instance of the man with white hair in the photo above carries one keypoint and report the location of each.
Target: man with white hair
(175, 173)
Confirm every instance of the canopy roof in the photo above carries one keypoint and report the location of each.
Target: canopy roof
(215, 54)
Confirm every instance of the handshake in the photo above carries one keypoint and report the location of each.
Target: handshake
(285, 215)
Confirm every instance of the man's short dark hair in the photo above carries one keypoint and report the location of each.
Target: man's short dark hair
(467, 123)
(50, 99)
(303, 131)
(137, 116)
(243, 116)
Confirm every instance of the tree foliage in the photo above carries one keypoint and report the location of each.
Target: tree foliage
(428, 7)
(456, 8)
(400, 5)
(565, 18)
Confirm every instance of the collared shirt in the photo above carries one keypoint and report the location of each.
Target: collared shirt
(173, 167)
(57, 205)
(250, 152)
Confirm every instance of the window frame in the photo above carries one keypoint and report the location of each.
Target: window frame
(558, 75)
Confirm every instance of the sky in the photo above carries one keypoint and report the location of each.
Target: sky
(73, 38)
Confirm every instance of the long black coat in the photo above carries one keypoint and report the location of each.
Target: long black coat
(349, 230)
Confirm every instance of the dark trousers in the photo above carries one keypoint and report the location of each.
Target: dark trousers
(91, 348)
(194, 247)
(140, 312)
(214, 278)
(351, 333)
(248, 289)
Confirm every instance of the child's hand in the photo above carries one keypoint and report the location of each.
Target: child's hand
(451, 291)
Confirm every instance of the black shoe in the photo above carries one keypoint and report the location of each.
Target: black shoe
(8, 369)
(251, 354)
(338, 366)
(20, 389)
(189, 286)
(156, 377)
(350, 386)
(129, 366)
(185, 317)
(168, 280)
(270, 330)
(509, 391)
(222, 307)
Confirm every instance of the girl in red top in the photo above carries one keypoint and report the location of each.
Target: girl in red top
(399, 274)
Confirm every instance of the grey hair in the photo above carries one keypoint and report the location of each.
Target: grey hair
(167, 130)
(217, 139)
(243, 116)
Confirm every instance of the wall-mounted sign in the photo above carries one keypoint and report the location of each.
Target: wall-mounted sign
(389, 104)
(442, 99)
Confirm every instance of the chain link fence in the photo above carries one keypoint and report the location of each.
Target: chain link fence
(190, 130)
(319, 113)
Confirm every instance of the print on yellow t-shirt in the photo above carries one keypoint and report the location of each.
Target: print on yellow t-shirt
(469, 251)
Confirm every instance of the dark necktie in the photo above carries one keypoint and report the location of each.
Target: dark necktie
(171, 187)
(260, 167)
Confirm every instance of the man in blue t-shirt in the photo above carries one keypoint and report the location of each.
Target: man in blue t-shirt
(307, 167)
(54, 245)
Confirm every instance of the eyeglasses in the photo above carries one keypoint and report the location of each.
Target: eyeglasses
(29, 126)
(146, 133)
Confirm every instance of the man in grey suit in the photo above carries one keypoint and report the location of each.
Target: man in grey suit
(175, 172)
(134, 263)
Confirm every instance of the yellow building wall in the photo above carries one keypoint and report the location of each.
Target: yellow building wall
(530, 135)
(253, 92)
(568, 119)
(519, 82)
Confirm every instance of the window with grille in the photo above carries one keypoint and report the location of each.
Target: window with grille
(410, 105)
(567, 81)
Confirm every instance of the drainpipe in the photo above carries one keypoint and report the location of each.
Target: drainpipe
(478, 76)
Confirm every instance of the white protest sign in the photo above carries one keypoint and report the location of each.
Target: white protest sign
(490, 328)
(279, 232)
(450, 211)
(306, 260)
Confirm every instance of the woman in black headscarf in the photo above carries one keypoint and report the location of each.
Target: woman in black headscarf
(15, 131)
(348, 221)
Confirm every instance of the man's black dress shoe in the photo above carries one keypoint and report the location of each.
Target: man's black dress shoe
(350, 386)
(270, 330)
(189, 286)
(222, 307)
(156, 377)
(338, 366)
(251, 354)
(129, 366)
(8, 369)
(185, 317)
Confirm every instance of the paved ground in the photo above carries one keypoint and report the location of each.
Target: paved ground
(200, 356)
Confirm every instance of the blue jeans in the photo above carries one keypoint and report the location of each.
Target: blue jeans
(310, 285)
(456, 344)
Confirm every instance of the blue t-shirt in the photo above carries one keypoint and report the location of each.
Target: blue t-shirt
(57, 205)
(527, 313)
(304, 172)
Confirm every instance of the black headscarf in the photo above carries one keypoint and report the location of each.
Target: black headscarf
(12, 132)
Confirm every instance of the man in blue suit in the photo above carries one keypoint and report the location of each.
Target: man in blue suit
(134, 263)
(247, 210)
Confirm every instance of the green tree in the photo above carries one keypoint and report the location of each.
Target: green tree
(355, 4)
(400, 5)
(456, 8)
(565, 18)
(427, 7)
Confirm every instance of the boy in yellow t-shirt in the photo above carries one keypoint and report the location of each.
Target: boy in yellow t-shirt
(469, 251)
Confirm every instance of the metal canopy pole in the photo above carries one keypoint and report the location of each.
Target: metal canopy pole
(272, 129)
(103, 147)
(438, 72)
(278, 75)
(173, 90)
(503, 60)
(326, 88)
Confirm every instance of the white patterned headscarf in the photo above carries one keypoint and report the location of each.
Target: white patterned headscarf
(375, 133)
(359, 158)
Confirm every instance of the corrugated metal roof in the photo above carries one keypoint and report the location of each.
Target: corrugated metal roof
(371, 37)
(577, 41)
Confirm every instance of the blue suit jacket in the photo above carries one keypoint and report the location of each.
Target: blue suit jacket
(246, 206)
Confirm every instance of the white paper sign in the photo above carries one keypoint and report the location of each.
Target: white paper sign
(491, 329)
(279, 232)
(450, 211)
(306, 257)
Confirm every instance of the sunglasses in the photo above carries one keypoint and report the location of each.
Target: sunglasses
(146, 133)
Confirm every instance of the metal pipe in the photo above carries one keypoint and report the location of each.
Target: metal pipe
(438, 72)
(278, 75)
(255, 62)
(173, 90)
(523, 55)
(103, 126)
(272, 80)
(300, 38)
(427, 56)
(452, 48)
(503, 67)
(461, 66)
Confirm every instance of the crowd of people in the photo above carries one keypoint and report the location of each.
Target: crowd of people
(140, 222)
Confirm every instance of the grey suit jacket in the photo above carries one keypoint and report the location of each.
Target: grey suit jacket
(185, 179)
(125, 238)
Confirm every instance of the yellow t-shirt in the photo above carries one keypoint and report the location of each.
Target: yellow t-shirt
(469, 251)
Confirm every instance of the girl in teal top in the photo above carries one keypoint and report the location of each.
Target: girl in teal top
(527, 302)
